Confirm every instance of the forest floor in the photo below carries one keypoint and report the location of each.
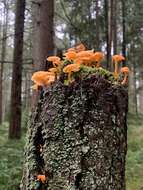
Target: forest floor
(11, 156)
(134, 166)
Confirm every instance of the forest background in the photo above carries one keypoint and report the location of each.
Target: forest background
(110, 26)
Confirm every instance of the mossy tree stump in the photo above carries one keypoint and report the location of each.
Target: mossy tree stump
(78, 137)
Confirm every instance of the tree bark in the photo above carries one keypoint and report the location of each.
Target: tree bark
(97, 25)
(43, 36)
(107, 31)
(82, 132)
(124, 30)
(3, 54)
(15, 110)
(114, 28)
(135, 89)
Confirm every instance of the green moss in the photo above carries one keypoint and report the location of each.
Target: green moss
(86, 71)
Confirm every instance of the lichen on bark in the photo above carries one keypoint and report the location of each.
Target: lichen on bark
(81, 129)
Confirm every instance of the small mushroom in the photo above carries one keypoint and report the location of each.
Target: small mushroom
(97, 57)
(69, 69)
(55, 60)
(80, 47)
(55, 71)
(117, 59)
(87, 53)
(70, 55)
(41, 178)
(71, 49)
(43, 78)
(125, 71)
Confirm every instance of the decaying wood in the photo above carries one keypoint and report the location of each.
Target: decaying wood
(82, 132)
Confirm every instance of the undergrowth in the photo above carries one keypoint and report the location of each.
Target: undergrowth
(11, 159)
(134, 166)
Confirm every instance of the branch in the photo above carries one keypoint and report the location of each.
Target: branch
(25, 61)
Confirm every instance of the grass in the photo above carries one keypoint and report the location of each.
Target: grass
(134, 166)
(11, 154)
(11, 157)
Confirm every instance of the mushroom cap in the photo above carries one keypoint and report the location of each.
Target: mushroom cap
(71, 49)
(41, 178)
(71, 68)
(49, 80)
(80, 47)
(125, 70)
(54, 59)
(97, 56)
(118, 58)
(53, 70)
(87, 53)
(70, 55)
(42, 77)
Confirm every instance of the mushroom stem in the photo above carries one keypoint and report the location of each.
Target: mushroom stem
(116, 74)
(125, 79)
(98, 64)
(69, 77)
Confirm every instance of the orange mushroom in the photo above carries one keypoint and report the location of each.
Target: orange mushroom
(70, 55)
(41, 178)
(125, 71)
(117, 59)
(80, 47)
(53, 70)
(97, 57)
(55, 60)
(69, 69)
(87, 53)
(49, 80)
(78, 61)
(71, 49)
(43, 78)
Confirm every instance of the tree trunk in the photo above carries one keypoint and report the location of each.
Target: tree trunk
(135, 89)
(97, 25)
(3, 54)
(124, 30)
(78, 137)
(108, 31)
(114, 28)
(15, 117)
(43, 35)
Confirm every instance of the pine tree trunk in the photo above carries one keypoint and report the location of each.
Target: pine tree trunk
(78, 137)
(43, 35)
(97, 25)
(3, 54)
(114, 28)
(135, 89)
(107, 31)
(110, 12)
(124, 30)
(15, 117)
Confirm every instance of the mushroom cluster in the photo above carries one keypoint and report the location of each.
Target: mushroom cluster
(73, 61)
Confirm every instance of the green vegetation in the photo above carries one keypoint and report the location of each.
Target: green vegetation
(11, 156)
(134, 167)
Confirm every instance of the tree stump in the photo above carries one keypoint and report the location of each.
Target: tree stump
(77, 137)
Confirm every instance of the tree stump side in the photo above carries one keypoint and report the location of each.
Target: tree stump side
(78, 137)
